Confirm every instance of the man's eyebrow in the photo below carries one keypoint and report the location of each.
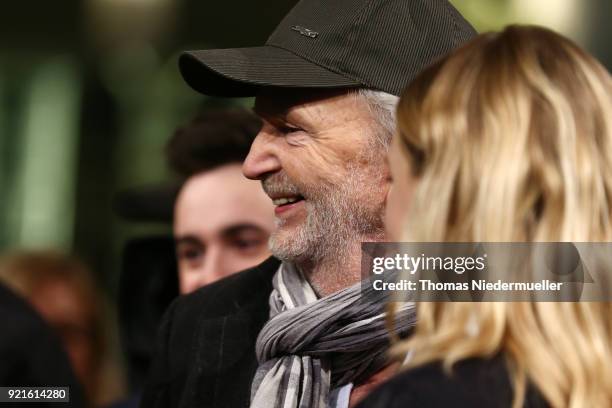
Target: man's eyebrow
(187, 239)
(239, 228)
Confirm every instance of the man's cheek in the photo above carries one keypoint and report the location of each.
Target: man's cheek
(330, 158)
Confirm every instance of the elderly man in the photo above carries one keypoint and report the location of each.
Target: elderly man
(295, 331)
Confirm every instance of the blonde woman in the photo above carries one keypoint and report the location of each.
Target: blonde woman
(507, 139)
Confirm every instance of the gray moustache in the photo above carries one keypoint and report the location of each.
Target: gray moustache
(279, 185)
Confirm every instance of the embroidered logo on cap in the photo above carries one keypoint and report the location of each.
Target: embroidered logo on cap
(305, 31)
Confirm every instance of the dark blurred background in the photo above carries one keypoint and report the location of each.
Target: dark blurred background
(90, 93)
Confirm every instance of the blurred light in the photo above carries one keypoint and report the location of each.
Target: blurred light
(568, 17)
(564, 16)
(45, 196)
(123, 23)
(120, 3)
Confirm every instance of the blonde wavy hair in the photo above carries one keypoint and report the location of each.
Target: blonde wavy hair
(510, 139)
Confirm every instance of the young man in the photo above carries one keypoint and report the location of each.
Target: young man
(222, 220)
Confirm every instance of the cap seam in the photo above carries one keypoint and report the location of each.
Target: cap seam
(358, 20)
(456, 30)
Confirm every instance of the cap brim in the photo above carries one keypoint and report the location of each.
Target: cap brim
(241, 72)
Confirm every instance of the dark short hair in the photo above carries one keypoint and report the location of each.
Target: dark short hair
(211, 139)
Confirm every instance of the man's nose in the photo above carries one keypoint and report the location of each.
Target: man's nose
(262, 158)
(214, 266)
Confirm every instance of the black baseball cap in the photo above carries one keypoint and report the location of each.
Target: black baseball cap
(375, 44)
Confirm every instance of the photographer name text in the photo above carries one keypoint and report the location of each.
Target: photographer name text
(480, 284)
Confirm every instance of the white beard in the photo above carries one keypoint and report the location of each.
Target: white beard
(338, 217)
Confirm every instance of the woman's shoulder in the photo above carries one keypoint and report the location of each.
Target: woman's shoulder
(472, 382)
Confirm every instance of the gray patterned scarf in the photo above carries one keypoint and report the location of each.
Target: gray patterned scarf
(310, 346)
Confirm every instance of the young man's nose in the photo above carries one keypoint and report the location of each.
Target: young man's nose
(214, 267)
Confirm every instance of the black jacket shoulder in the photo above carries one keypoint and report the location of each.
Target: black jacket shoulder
(230, 294)
(475, 382)
(205, 353)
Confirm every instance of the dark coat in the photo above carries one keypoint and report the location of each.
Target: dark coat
(205, 355)
(473, 383)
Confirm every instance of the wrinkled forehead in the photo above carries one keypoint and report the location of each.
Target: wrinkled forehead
(280, 102)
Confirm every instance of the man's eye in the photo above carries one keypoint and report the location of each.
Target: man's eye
(246, 243)
(189, 253)
(290, 129)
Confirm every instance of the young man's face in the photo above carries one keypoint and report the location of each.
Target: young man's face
(222, 222)
(317, 159)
